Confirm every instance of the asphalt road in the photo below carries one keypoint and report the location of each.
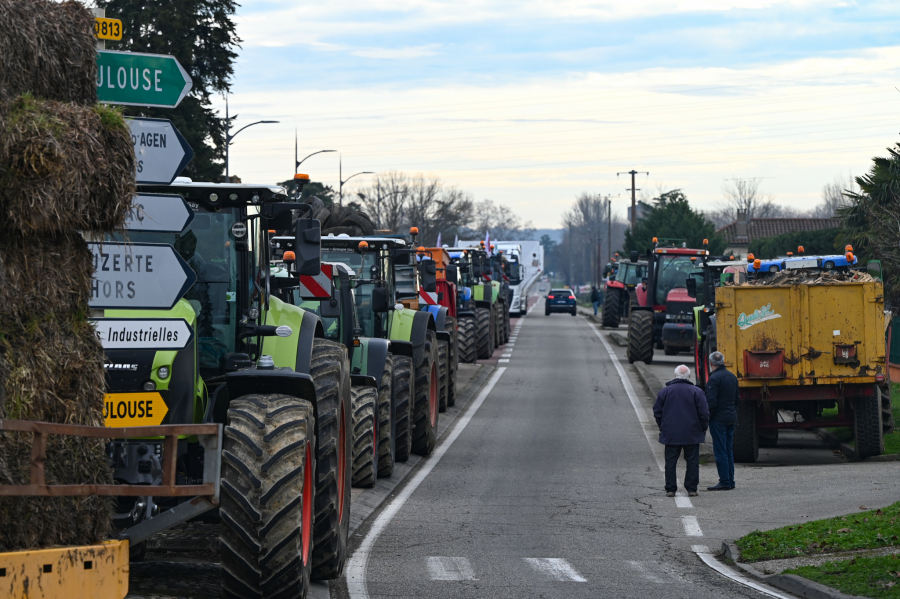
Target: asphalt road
(551, 490)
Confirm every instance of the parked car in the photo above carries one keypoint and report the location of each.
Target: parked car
(560, 300)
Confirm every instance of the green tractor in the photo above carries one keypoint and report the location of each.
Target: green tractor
(265, 370)
(466, 316)
(486, 292)
(386, 281)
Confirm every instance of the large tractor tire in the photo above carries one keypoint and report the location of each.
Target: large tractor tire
(365, 436)
(330, 372)
(484, 339)
(443, 374)
(266, 510)
(640, 337)
(611, 309)
(468, 352)
(403, 388)
(497, 326)
(867, 425)
(506, 324)
(450, 325)
(746, 437)
(386, 434)
(425, 407)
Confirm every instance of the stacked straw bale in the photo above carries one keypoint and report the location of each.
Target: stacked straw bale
(66, 166)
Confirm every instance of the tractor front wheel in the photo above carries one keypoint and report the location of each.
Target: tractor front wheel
(640, 337)
(611, 309)
(425, 407)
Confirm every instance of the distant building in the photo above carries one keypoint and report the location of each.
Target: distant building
(741, 232)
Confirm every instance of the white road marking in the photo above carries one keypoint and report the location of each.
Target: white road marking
(682, 500)
(691, 526)
(556, 568)
(450, 568)
(703, 553)
(356, 568)
(503, 360)
(639, 567)
(647, 424)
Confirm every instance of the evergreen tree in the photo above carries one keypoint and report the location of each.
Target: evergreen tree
(200, 34)
(672, 218)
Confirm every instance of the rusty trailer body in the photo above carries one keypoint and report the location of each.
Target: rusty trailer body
(800, 351)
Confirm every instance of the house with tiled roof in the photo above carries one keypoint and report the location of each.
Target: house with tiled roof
(742, 231)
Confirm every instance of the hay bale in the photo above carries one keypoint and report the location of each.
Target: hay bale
(42, 274)
(53, 373)
(64, 167)
(48, 49)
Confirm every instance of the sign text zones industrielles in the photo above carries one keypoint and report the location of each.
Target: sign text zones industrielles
(161, 334)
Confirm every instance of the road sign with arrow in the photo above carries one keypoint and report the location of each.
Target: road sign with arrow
(158, 212)
(161, 151)
(136, 79)
(161, 334)
(138, 276)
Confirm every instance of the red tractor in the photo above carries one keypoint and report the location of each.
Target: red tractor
(442, 304)
(665, 317)
(624, 289)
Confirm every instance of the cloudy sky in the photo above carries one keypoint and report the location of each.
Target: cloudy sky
(530, 103)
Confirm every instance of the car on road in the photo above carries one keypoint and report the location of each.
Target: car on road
(560, 300)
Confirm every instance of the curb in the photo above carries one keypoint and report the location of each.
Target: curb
(648, 377)
(791, 583)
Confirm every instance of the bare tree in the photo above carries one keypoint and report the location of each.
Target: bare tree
(834, 196)
(500, 220)
(585, 239)
(385, 199)
(744, 196)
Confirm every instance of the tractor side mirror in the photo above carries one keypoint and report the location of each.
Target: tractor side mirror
(476, 269)
(634, 255)
(452, 273)
(308, 247)
(331, 308)
(380, 303)
(691, 285)
(429, 275)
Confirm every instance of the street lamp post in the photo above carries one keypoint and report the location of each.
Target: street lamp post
(230, 136)
(342, 180)
(298, 163)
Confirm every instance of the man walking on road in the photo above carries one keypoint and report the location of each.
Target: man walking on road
(595, 298)
(722, 396)
(683, 417)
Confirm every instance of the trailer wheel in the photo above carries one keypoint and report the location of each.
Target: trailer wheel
(403, 388)
(386, 433)
(425, 407)
(867, 425)
(611, 309)
(746, 441)
(768, 437)
(266, 510)
(640, 337)
(484, 340)
(467, 349)
(443, 374)
(450, 325)
(330, 372)
(365, 436)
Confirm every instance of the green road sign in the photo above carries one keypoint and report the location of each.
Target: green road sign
(140, 79)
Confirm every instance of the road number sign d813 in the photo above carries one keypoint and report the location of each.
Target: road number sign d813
(107, 29)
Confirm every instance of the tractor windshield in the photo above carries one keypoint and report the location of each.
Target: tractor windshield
(207, 245)
(633, 274)
(671, 273)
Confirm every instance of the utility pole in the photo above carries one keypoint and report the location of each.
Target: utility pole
(633, 172)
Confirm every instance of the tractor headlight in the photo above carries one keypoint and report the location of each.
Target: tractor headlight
(149, 386)
(163, 372)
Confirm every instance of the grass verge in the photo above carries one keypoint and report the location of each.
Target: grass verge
(868, 529)
(877, 577)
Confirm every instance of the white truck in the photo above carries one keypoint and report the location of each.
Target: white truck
(527, 258)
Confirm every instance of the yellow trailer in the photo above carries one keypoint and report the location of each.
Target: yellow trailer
(799, 349)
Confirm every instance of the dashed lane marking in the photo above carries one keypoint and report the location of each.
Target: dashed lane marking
(682, 500)
(356, 568)
(450, 568)
(556, 568)
(691, 526)
(503, 360)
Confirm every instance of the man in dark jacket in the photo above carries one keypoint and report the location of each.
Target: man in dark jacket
(683, 417)
(722, 396)
(596, 298)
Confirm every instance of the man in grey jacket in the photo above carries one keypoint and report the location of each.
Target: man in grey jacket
(722, 396)
(682, 417)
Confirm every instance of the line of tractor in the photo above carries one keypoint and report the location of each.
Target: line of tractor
(805, 335)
